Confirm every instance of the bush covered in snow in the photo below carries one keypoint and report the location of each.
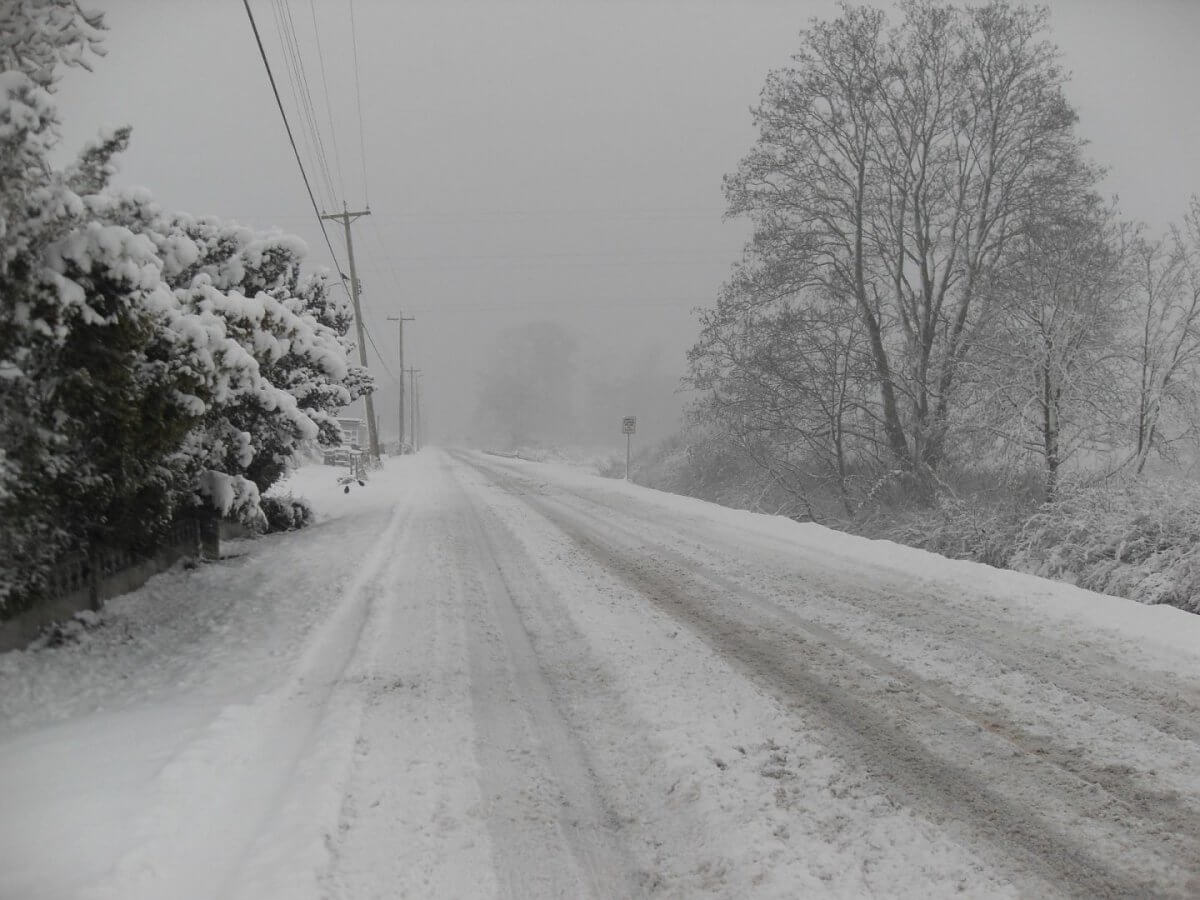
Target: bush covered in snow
(1132, 538)
(697, 463)
(1138, 541)
(286, 513)
(151, 364)
(958, 528)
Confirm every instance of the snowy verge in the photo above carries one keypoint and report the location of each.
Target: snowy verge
(168, 707)
(1022, 594)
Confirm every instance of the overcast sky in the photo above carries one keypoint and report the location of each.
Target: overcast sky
(547, 161)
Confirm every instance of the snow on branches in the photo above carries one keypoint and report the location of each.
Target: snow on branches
(149, 362)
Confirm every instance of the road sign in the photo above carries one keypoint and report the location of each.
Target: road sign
(629, 425)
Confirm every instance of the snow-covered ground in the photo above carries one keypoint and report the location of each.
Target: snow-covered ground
(485, 677)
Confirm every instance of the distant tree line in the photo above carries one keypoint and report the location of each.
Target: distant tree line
(934, 280)
(151, 364)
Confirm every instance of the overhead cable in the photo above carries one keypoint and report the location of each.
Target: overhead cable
(362, 143)
(337, 157)
(305, 134)
(302, 92)
(291, 137)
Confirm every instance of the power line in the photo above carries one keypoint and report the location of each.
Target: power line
(633, 257)
(289, 67)
(367, 331)
(589, 211)
(312, 112)
(302, 91)
(504, 307)
(362, 143)
(396, 283)
(371, 341)
(454, 216)
(291, 138)
(391, 269)
(292, 44)
(337, 157)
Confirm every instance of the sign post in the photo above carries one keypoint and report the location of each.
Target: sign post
(629, 426)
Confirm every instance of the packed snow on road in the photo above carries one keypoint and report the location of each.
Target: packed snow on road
(483, 677)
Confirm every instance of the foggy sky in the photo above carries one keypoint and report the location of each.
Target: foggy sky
(555, 161)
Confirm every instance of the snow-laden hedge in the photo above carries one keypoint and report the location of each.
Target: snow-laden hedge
(1139, 541)
(1131, 539)
(962, 529)
(152, 364)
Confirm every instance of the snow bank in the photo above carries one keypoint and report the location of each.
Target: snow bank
(1025, 595)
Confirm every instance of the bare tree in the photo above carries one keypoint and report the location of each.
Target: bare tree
(1051, 358)
(787, 384)
(1166, 316)
(893, 169)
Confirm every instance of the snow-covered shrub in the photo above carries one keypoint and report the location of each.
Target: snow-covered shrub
(1138, 541)
(696, 463)
(961, 528)
(40, 307)
(286, 513)
(149, 363)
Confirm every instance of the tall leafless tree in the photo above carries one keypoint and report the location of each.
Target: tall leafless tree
(1166, 326)
(1050, 361)
(894, 167)
(787, 383)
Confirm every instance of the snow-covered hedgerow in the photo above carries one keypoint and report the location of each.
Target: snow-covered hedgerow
(1139, 541)
(1134, 539)
(150, 363)
(961, 528)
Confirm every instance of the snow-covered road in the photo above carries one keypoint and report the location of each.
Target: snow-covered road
(483, 677)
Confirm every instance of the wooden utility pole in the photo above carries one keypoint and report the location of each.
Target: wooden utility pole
(400, 320)
(412, 406)
(346, 217)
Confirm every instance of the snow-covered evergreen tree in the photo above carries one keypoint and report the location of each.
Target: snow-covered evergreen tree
(149, 363)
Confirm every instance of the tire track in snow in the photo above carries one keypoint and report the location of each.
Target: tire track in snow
(810, 672)
(806, 676)
(196, 843)
(1163, 811)
(1166, 705)
(1160, 700)
(409, 824)
(553, 833)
